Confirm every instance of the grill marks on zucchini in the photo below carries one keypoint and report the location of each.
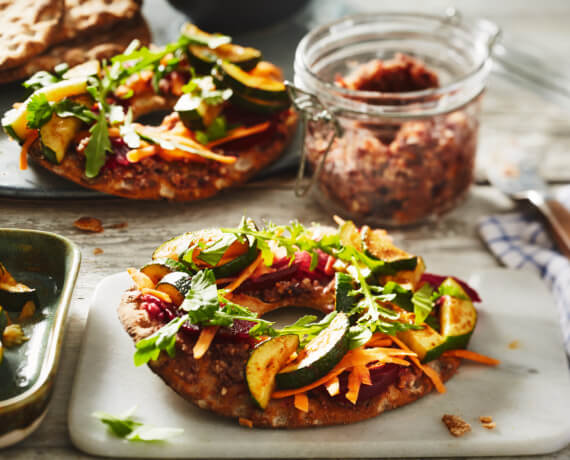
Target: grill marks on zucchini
(318, 357)
(264, 363)
(248, 85)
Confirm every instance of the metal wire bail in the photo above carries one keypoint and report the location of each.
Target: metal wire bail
(311, 109)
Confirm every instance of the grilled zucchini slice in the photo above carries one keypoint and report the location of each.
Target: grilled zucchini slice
(264, 363)
(176, 285)
(318, 357)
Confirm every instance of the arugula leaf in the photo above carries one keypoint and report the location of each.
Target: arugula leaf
(164, 339)
(39, 111)
(423, 303)
(202, 299)
(124, 426)
(306, 327)
(358, 335)
(40, 80)
(99, 143)
(214, 251)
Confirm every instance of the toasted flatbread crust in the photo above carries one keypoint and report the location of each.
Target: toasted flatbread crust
(98, 45)
(216, 381)
(154, 179)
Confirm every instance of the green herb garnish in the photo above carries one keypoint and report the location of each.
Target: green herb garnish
(124, 426)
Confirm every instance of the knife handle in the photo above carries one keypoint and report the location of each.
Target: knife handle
(558, 218)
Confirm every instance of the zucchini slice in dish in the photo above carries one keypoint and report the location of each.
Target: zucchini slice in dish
(14, 295)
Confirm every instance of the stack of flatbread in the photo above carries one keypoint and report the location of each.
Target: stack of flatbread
(39, 34)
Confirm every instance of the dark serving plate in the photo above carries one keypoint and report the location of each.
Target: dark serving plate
(49, 263)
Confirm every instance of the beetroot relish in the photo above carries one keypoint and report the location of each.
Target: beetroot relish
(298, 270)
(158, 310)
(119, 155)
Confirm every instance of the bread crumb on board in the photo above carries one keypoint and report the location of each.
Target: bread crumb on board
(456, 425)
(89, 224)
(487, 422)
(97, 251)
(515, 344)
(245, 422)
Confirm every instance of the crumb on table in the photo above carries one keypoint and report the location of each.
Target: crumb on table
(97, 251)
(456, 425)
(487, 422)
(89, 224)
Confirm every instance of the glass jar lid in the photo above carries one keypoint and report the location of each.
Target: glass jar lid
(459, 51)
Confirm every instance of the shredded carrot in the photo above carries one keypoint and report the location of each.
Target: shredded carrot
(379, 340)
(161, 295)
(136, 155)
(174, 153)
(333, 386)
(245, 274)
(24, 152)
(141, 280)
(245, 422)
(204, 340)
(353, 386)
(302, 402)
(356, 357)
(472, 356)
(431, 374)
(239, 133)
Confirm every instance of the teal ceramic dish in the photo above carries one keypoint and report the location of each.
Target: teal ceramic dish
(49, 263)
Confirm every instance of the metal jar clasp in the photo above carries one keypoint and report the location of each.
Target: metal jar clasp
(311, 109)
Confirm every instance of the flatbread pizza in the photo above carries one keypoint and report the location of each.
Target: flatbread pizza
(228, 117)
(389, 333)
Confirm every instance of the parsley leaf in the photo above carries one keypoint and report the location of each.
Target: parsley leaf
(39, 111)
(213, 252)
(164, 339)
(99, 143)
(124, 426)
(451, 288)
(423, 303)
(202, 299)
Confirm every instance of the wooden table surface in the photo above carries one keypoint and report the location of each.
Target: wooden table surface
(509, 113)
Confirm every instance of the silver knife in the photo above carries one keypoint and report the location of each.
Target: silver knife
(517, 175)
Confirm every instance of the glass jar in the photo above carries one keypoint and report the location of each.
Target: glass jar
(391, 158)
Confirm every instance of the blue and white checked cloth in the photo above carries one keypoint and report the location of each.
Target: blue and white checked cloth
(521, 241)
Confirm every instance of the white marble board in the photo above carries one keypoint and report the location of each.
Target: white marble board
(528, 395)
